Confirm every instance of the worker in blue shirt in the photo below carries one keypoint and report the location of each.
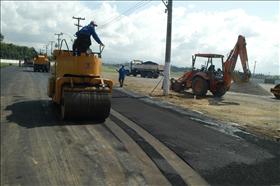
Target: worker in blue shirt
(122, 73)
(82, 43)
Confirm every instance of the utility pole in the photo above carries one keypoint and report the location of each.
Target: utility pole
(168, 5)
(51, 47)
(58, 38)
(254, 69)
(78, 25)
(47, 49)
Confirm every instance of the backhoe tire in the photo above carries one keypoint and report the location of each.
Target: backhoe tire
(199, 86)
(220, 91)
(277, 96)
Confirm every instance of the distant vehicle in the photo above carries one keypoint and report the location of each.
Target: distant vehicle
(41, 63)
(27, 62)
(147, 69)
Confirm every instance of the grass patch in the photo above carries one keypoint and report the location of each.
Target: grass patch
(176, 74)
(5, 65)
(109, 68)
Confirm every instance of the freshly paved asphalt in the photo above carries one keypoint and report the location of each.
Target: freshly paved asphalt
(220, 158)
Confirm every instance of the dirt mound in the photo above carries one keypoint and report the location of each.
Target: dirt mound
(249, 88)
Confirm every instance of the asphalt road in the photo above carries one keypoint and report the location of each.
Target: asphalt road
(39, 149)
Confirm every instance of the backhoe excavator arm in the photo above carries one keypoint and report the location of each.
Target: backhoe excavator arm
(241, 51)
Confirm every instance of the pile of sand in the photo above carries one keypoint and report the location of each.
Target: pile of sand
(249, 88)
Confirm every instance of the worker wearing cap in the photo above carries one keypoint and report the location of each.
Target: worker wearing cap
(122, 73)
(82, 43)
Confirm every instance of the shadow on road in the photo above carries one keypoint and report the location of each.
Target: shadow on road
(220, 102)
(275, 99)
(27, 70)
(39, 113)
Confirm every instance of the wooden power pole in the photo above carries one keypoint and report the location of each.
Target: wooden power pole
(58, 39)
(51, 47)
(78, 25)
(168, 5)
(254, 69)
(47, 49)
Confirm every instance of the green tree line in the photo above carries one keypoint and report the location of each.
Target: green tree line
(12, 51)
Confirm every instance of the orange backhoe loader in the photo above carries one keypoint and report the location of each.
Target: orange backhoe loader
(205, 78)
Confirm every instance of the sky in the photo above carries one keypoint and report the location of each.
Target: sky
(137, 29)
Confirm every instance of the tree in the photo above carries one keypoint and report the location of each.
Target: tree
(1, 37)
(11, 51)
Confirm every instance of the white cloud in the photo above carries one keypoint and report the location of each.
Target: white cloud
(142, 34)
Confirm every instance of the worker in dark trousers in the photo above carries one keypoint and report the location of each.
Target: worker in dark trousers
(82, 43)
(122, 73)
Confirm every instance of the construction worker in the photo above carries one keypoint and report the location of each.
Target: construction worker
(82, 43)
(122, 73)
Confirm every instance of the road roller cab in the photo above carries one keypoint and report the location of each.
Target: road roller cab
(77, 86)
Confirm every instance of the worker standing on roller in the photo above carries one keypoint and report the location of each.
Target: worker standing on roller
(122, 73)
(82, 43)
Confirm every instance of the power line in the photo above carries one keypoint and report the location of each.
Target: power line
(126, 11)
(129, 10)
(141, 5)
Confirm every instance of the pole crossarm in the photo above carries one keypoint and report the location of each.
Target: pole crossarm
(165, 3)
(78, 24)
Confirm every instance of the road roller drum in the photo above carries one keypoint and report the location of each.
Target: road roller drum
(85, 105)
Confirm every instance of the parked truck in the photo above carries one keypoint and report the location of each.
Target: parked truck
(147, 69)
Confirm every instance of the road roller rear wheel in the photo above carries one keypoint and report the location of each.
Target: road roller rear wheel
(85, 105)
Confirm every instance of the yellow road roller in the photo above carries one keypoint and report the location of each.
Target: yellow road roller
(41, 63)
(77, 87)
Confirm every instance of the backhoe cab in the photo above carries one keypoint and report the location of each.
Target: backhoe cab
(207, 74)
